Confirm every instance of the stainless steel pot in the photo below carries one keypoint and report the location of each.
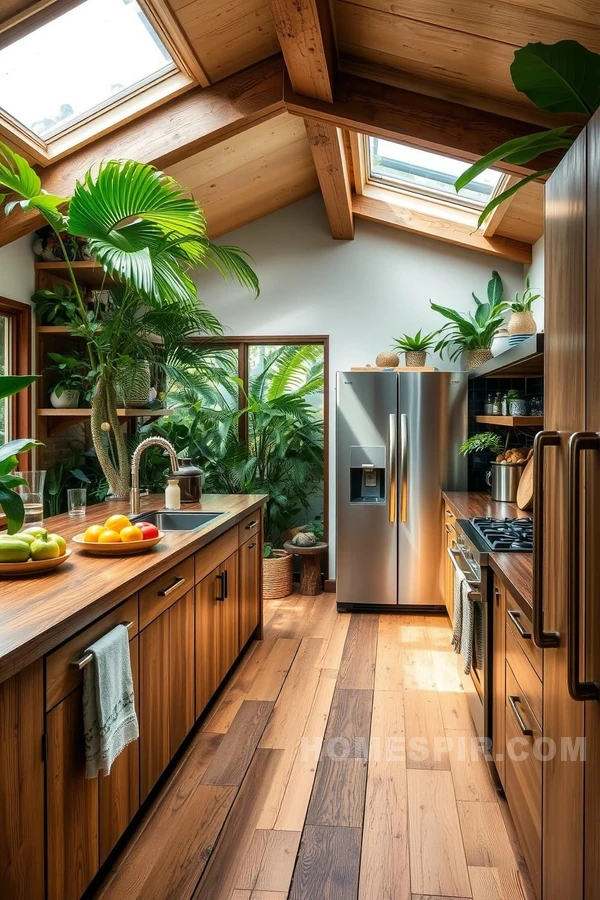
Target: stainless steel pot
(504, 480)
(190, 481)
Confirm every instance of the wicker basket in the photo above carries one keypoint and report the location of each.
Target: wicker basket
(477, 358)
(415, 358)
(277, 575)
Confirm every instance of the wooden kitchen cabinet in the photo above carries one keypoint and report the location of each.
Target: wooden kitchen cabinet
(250, 560)
(217, 628)
(182, 710)
(499, 679)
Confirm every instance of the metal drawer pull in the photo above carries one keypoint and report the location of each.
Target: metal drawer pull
(169, 590)
(221, 578)
(83, 661)
(514, 617)
(251, 546)
(513, 705)
(448, 512)
(226, 584)
(252, 524)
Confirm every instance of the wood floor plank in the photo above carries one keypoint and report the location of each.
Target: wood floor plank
(417, 669)
(385, 866)
(357, 668)
(294, 800)
(270, 679)
(433, 897)
(221, 874)
(484, 835)
(322, 617)
(269, 862)
(425, 734)
(328, 864)
(339, 791)
(239, 744)
(439, 632)
(495, 884)
(437, 858)
(470, 773)
(334, 647)
(236, 689)
(349, 724)
(388, 665)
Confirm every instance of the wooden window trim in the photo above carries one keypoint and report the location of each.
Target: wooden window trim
(19, 315)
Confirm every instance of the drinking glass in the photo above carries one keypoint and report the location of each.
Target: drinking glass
(77, 499)
(32, 495)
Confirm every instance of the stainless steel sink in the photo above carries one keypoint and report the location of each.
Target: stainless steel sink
(179, 520)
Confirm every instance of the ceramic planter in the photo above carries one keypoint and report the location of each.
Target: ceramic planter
(414, 358)
(522, 323)
(477, 357)
(67, 400)
(500, 343)
(517, 407)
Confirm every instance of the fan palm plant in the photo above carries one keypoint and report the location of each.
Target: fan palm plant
(147, 236)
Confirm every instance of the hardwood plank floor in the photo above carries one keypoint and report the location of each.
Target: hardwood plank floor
(303, 782)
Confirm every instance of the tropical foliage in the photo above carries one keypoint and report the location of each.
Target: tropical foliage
(485, 441)
(472, 331)
(148, 237)
(523, 302)
(561, 78)
(10, 501)
(417, 343)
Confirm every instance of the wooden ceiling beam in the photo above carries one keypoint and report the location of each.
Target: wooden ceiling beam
(306, 34)
(417, 120)
(492, 223)
(327, 147)
(195, 121)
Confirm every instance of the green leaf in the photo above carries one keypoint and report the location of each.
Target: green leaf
(12, 505)
(8, 464)
(500, 198)
(495, 289)
(18, 446)
(12, 384)
(561, 78)
(17, 175)
(518, 151)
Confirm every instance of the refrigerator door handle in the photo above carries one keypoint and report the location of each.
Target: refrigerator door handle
(579, 690)
(543, 639)
(403, 468)
(392, 453)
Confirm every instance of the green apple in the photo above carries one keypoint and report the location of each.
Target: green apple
(42, 548)
(13, 550)
(36, 530)
(62, 544)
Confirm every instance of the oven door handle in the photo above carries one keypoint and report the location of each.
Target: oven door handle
(473, 595)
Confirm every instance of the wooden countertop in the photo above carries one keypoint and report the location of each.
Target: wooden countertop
(514, 569)
(39, 613)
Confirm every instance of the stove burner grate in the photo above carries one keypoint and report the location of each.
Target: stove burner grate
(505, 535)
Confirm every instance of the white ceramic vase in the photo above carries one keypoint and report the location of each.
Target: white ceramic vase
(67, 400)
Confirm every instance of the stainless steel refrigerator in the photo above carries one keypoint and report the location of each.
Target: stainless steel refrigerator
(398, 439)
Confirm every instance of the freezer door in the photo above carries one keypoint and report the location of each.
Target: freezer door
(432, 424)
(366, 487)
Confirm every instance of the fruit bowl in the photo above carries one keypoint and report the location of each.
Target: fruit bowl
(32, 566)
(118, 548)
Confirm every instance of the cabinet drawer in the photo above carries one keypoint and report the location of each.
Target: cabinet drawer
(530, 684)
(524, 782)
(449, 515)
(215, 553)
(165, 590)
(522, 626)
(61, 679)
(249, 526)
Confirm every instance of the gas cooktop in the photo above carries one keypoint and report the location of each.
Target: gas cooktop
(505, 535)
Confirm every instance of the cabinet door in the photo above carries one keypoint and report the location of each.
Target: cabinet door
(72, 811)
(154, 702)
(499, 679)
(249, 560)
(207, 637)
(229, 621)
(181, 668)
(450, 534)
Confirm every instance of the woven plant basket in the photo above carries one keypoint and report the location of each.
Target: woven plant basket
(277, 575)
(477, 357)
(415, 358)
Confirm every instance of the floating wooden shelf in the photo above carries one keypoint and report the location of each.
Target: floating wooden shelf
(512, 421)
(83, 413)
(89, 274)
(56, 329)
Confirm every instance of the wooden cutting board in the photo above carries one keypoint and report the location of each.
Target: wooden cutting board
(525, 489)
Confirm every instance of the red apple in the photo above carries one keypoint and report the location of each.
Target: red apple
(148, 530)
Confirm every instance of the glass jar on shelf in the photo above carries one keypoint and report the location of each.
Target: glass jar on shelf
(488, 407)
(497, 405)
(504, 404)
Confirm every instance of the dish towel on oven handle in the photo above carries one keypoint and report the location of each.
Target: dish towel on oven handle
(109, 718)
(467, 626)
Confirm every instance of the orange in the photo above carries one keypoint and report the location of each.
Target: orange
(132, 533)
(117, 523)
(109, 537)
(92, 533)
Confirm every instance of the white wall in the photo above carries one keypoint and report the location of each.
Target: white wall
(17, 278)
(536, 277)
(361, 293)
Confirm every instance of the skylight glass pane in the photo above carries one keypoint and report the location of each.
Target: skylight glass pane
(79, 62)
(430, 174)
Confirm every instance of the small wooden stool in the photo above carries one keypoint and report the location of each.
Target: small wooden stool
(310, 566)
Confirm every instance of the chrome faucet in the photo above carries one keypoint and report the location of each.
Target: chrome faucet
(135, 466)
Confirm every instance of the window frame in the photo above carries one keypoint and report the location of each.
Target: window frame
(20, 331)
(188, 73)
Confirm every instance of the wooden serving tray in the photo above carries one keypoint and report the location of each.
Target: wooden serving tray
(32, 566)
(124, 548)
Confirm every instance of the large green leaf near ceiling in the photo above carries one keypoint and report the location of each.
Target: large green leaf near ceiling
(561, 78)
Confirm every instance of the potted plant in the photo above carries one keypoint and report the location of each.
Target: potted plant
(10, 501)
(517, 404)
(415, 347)
(147, 236)
(72, 380)
(521, 320)
(484, 442)
(55, 307)
(470, 333)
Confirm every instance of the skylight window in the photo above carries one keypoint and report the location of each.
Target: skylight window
(428, 174)
(79, 63)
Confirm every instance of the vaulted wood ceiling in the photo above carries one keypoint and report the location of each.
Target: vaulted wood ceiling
(429, 72)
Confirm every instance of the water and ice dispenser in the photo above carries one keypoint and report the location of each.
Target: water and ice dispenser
(367, 474)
